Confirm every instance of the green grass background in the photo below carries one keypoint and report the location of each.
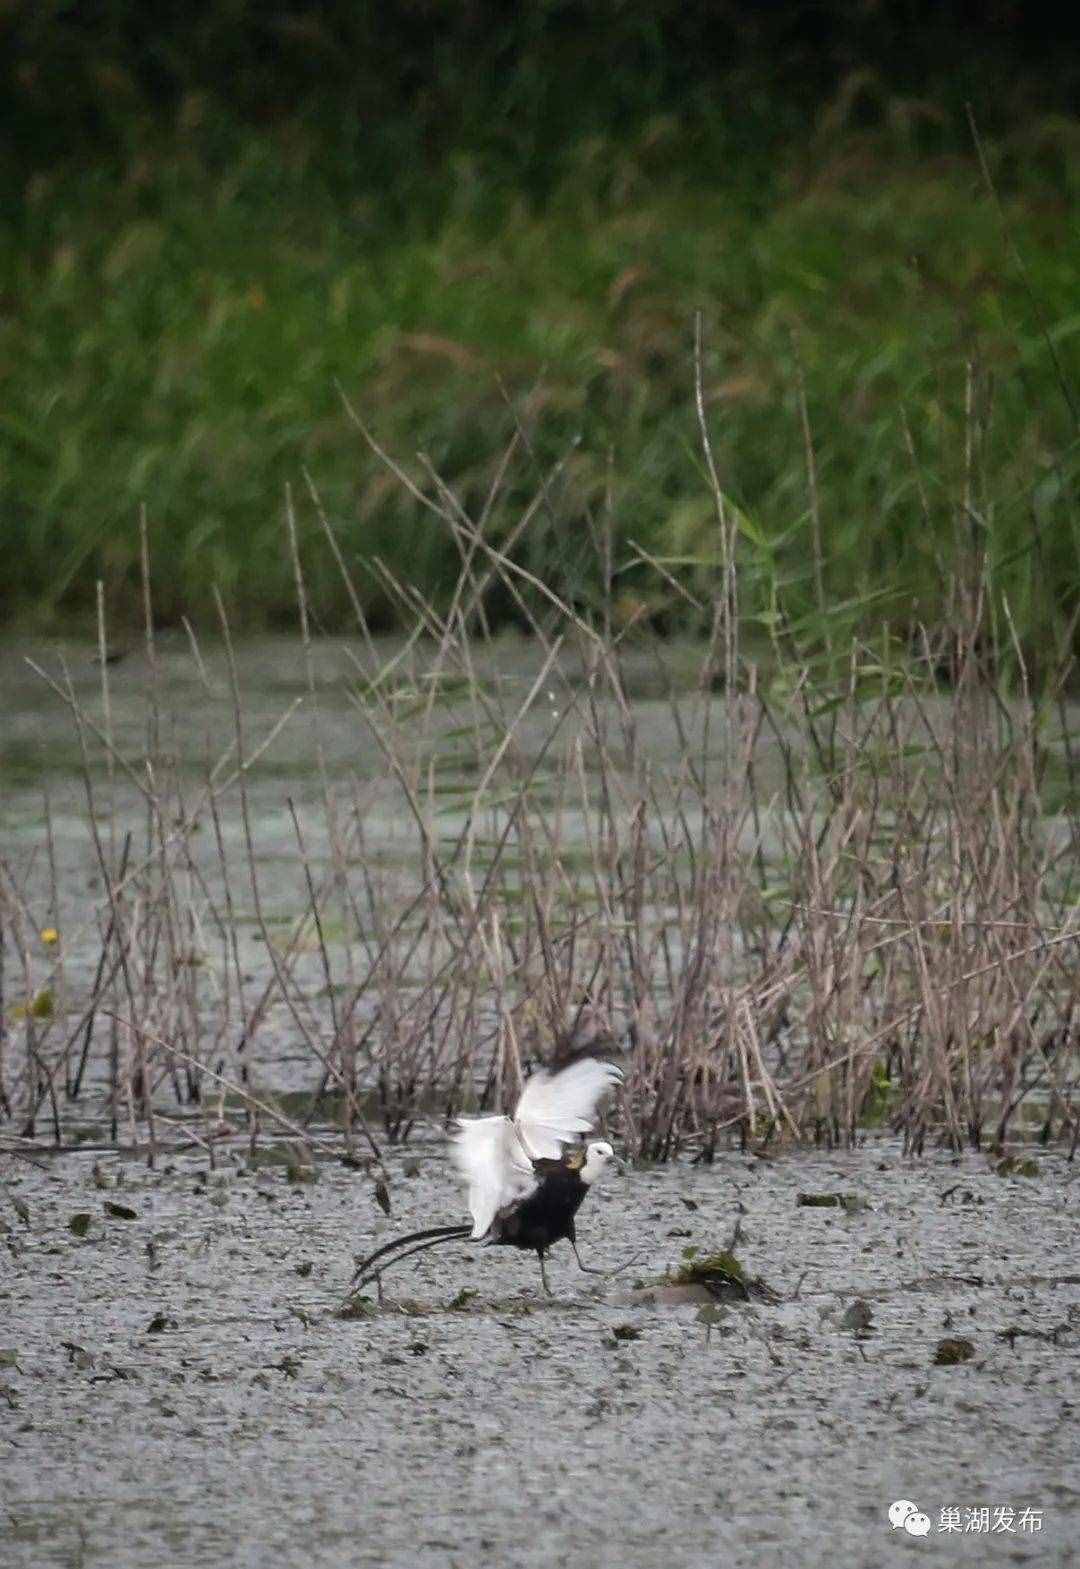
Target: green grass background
(178, 319)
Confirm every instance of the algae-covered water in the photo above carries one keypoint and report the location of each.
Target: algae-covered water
(308, 756)
(176, 1388)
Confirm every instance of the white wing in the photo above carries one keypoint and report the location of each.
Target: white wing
(488, 1154)
(555, 1108)
(494, 1155)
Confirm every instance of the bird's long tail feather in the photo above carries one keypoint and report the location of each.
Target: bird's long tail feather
(421, 1247)
(425, 1239)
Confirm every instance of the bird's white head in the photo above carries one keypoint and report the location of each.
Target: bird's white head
(598, 1157)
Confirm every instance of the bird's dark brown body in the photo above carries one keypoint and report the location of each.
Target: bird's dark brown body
(545, 1216)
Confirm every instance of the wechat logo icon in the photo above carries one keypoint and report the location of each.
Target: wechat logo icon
(910, 1517)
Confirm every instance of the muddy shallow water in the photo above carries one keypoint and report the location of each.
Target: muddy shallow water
(176, 1388)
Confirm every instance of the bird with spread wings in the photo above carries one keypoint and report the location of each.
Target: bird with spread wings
(526, 1175)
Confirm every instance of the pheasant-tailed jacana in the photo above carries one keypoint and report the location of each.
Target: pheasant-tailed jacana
(526, 1175)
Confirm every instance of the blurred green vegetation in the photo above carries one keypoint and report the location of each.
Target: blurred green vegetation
(184, 299)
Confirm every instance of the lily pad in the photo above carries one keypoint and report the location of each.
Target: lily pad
(859, 1316)
(120, 1211)
(80, 1224)
(953, 1350)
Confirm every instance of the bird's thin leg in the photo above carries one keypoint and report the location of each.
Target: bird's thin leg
(543, 1271)
(588, 1269)
(591, 1269)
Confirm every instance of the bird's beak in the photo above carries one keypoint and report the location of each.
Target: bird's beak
(620, 1165)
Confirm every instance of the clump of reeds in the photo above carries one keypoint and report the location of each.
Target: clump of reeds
(837, 896)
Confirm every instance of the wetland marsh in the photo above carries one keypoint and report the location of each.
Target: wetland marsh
(187, 1182)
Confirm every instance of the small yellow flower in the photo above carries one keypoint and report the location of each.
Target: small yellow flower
(50, 936)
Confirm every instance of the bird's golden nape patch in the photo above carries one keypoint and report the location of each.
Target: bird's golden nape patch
(575, 1158)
